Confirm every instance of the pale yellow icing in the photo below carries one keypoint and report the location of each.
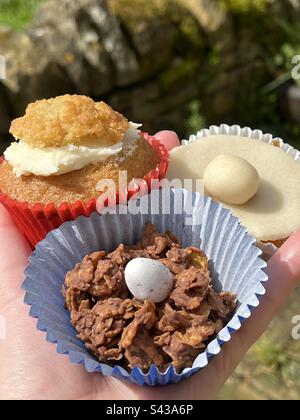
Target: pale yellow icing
(274, 212)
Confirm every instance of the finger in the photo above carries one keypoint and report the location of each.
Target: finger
(284, 275)
(168, 138)
(14, 253)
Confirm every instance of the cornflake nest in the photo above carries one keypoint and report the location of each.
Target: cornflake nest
(69, 119)
(117, 327)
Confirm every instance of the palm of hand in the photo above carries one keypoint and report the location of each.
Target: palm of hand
(31, 367)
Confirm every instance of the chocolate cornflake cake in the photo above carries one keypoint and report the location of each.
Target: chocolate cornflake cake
(117, 327)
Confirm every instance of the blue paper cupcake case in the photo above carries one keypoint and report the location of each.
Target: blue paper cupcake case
(235, 263)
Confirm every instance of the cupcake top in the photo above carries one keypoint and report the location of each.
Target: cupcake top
(123, 320)
(69, 119)
(66, 133)
(259, 182)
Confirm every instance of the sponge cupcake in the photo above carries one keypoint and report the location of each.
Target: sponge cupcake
(65, 146)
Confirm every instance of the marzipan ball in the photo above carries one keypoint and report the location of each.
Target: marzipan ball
(231, 179)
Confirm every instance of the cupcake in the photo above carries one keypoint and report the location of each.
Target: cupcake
(254, 175)
(65, 147)
(143, 297)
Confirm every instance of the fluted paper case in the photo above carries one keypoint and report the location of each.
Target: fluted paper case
(196, 220)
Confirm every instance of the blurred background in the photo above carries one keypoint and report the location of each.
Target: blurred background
(170, 64)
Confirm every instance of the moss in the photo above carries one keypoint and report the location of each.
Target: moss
(183, 70)
(214, 56)
(133, 11)
(269, 352)
(17, 14)
(187, 25)
(245, 6)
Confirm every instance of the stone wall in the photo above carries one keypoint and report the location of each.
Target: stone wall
(103, 49)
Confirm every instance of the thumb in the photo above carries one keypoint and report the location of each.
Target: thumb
(284, 275)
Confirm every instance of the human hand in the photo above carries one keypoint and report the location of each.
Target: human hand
(31, 369)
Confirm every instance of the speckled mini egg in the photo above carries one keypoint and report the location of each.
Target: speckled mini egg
(148, 279)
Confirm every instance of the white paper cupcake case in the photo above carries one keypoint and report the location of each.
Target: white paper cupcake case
(234, 261)
(268, 249)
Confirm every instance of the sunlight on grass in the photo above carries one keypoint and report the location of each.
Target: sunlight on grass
(17, 14)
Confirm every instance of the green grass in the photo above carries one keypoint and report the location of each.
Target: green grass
(17, 14)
